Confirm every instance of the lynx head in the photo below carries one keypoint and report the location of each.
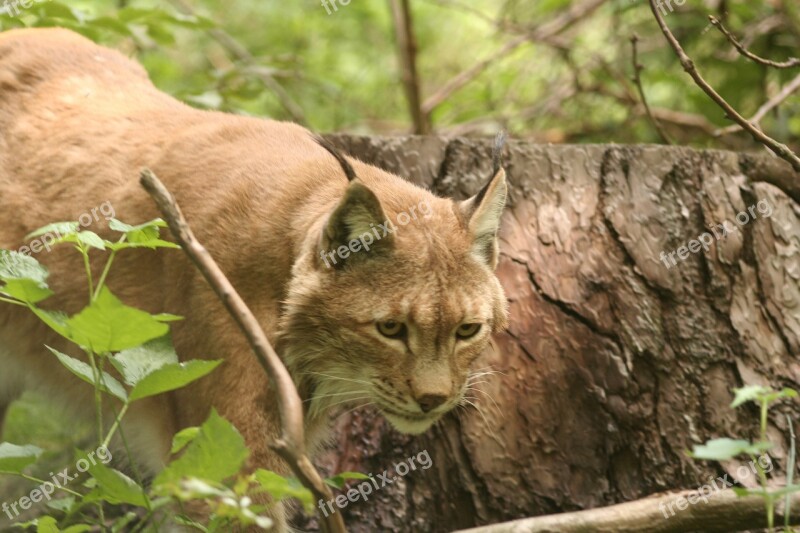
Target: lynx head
(394, 298)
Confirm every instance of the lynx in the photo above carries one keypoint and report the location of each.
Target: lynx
(365, 302)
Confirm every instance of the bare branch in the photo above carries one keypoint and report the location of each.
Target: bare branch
(768, 106)
(542, 33)
(637, 80)
(780, 149)
(790, 63)
(407, 52)
(241, 54)
(291, 444)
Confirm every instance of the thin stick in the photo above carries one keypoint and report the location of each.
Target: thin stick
(790, 63)
(291, 444)
(637, 80)
(780, 149)
(789, 89)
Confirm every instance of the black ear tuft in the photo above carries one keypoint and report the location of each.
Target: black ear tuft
(497, 151)
(344, 163)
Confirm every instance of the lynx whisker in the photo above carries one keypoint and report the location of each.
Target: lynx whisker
(491, 398)
(323, 396)
(485, 420)
(339, 378)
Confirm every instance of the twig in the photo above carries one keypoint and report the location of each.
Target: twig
(725, 512)
(780, 149)
(768, 106)
(542, 33)
(637, 80)
(291, 444)
(407, 52)
(790, 63)
(241, 54)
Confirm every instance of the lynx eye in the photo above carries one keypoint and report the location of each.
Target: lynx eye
(392, 329)
(465, 331)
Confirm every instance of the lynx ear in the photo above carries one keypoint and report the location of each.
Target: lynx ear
(483, 212)
(355, 229)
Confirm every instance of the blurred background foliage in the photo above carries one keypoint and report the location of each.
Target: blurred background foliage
(547, 70)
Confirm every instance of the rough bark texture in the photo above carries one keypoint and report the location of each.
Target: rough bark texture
(613, 364)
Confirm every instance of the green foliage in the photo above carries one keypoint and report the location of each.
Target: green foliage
(341, 69)
(129, 356)
(14, 459)
(725, 449)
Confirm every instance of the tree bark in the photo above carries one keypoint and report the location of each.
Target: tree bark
(614, 364)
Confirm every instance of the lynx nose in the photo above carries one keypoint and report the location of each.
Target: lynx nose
(429, 402)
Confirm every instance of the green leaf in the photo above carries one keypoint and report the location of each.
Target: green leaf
(339, 480)
(55, 319)
(136, 363)
(62, 504)
(153, 368)
(217, 453)
(183, 438)
(757, 393)
(166, 317)
(84, 371)
(171, 377)
(281, 488)
(47, 524)
(108, 325)
(750, 393)
(24, 277)
(117, 488)
(122, 524)
(26, 290)
(60, 229)
(78, 528)
(145, 235)
(724, 449)
(59, 10)
(91, 239)
(13, 458)
(112, 24)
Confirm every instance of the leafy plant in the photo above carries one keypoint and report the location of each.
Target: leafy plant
(725, 449)
(128, 357)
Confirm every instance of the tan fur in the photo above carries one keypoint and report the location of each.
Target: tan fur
(78, 121)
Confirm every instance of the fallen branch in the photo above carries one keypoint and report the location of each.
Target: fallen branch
(291, 444)
(780, 149)
(724, 513)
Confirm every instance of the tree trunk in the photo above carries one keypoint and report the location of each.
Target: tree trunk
(614, 364)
